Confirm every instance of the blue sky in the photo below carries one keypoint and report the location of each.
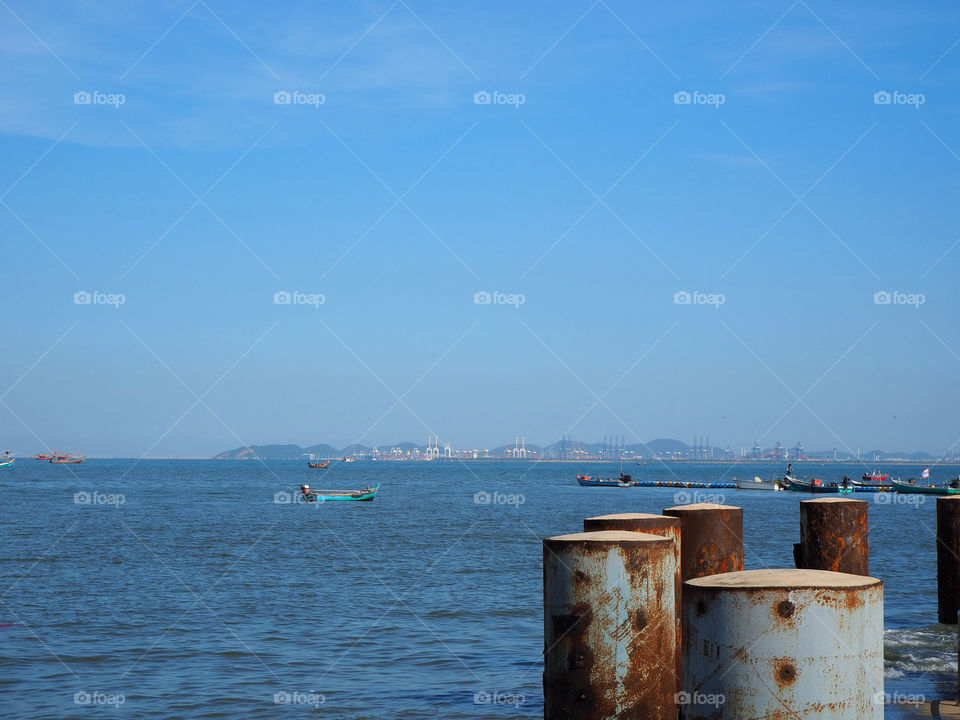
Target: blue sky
(786, 188)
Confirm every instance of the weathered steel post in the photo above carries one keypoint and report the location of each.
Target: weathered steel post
(948, 559)
(711, 538)
(655, 525)
(783, 643)
(609, 633)
(834, 536)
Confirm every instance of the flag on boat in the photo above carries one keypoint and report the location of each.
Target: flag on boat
(925, 474)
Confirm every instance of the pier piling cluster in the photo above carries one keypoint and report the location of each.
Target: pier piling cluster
(653, 616)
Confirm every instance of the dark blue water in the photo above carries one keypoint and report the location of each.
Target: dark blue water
(198, 595)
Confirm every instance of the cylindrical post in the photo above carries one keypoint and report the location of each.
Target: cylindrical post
(779, 643)
(655, 525)
(609, 639)
(833, 536)
(711, 538)
(948, 559)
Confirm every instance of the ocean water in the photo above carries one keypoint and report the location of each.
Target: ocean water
(194, 589)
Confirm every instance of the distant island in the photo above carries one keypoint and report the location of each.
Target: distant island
(662, 449)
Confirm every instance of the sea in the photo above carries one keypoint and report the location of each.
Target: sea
(205, 589)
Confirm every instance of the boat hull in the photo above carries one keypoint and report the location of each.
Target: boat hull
(909, 489)
(802, 486)
(598, 482)
(365, 495)
(6, 463)
(757, 484)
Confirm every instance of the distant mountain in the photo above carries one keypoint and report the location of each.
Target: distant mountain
(263, 452)
(323, 450)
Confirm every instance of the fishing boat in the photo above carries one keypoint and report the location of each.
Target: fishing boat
(911, 487)
(874, 481)
(44, 456)
(874, 478)
(816, 485)
(350, 459)
(311, 495)
(7, 461)
(758, 483)
(67, 459)
(319, 465)
(622, 481)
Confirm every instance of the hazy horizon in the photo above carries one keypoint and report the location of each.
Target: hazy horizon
(232, 224)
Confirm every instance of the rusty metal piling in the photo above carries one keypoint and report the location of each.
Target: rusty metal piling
(609, 629)
(711, 538)
(834, 536)
(948, 559)
(783, 643)
(655, 525)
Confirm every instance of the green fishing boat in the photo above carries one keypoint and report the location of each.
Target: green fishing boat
(913, 488)
(311, 495)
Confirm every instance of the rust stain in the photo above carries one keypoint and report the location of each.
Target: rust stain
(784, 671)
(785, 609)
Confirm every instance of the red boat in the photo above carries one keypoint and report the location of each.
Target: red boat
(319, 465)
(43, 456)
(876, 478)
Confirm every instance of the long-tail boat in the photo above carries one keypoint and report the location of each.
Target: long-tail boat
(320, 465)
(622, 481)
(311, 495)
(816, 485)
(67, 459)
(911, 487)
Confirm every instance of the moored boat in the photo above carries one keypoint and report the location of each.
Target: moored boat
(6, 461)
(875, 478)
(758, 483)
(816, 485)
(622, 481)
(311, 495)
(60, 459)
(320, 465)
(911, 487)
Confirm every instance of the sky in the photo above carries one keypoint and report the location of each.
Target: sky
(239, 223)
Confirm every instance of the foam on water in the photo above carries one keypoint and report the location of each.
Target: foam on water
(930, 649)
